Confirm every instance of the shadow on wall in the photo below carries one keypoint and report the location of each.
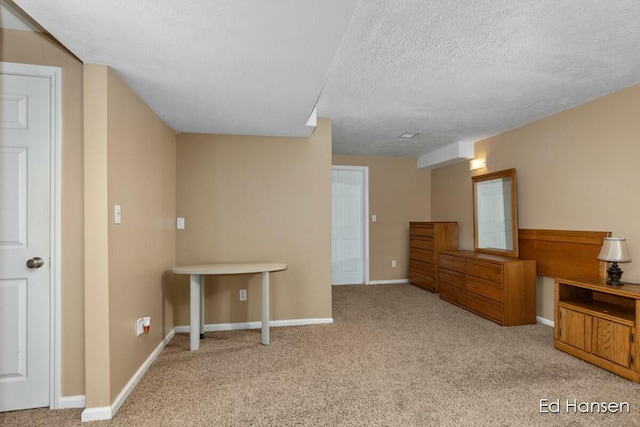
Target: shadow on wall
(222, 298)
(168, 297)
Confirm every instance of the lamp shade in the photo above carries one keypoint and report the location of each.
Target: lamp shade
(614, 249)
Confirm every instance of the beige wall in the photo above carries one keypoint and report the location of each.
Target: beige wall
(399, 192)
(250, 198)
(576, 171)
(32, 48)
(96, 259)
(130, 160)
(451, 199)
(142, 180)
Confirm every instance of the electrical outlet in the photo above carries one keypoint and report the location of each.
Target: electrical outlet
(146, 324)
(394, 263)
(243, 294)
(139, 326)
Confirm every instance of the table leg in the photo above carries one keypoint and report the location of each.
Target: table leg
(202, 307)
(265, 308)
(194, 309)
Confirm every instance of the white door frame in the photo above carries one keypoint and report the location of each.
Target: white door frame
(365, 212)
(54, 74)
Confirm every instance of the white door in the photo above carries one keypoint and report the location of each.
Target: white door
(25, 134)
(347, 220)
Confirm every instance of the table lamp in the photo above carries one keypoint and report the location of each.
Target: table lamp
(614, 250)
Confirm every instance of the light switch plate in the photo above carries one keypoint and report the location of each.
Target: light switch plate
(117, 214)
(139, 326)
(180, 224)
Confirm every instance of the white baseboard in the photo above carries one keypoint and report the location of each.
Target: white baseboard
(388, 282)
(299, 322)
(69, 402)
(107, 412)
(546, 321)
(214, 327)
(96, 414)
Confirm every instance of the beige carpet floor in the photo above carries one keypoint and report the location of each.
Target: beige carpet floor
(394, 356)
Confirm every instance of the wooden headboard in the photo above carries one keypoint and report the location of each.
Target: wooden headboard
(563, 253)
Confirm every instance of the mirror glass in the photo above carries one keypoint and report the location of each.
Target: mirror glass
(495, 213)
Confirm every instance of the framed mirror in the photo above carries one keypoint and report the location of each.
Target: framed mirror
(495, 213)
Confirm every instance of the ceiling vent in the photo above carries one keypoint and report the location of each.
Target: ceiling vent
(409, 134)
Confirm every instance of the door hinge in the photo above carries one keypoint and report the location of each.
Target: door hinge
(632, 337)
(631, 359)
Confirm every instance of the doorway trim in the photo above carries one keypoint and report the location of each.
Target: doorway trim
(365, 212)
(54, 74)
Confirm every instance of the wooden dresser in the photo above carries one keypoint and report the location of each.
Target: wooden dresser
(597, 323)
(501, 289)
(426, 240)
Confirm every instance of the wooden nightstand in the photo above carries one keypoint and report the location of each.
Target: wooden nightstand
(597, 323)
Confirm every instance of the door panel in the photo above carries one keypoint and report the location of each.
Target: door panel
(25, 138)
(13, 329)
(347, 214)
(575, 328)
(13, 188)
(612, 341)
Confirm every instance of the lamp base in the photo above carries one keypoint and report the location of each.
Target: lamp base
(615, 273)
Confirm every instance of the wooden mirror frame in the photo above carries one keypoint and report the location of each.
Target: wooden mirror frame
(505, 174)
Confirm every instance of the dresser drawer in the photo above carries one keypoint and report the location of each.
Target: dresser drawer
(454, 295)
(454, 263)
(501, 289)
(421, 230)
(421, 242)
(486, 307)
(424, 255)
(485, 288)
(453, 278)
(425, 268)
(425, 282)
(485, 270)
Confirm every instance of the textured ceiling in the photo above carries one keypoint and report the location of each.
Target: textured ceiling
(12, 18)
(235, 67)
(454, 71)
(460, 71)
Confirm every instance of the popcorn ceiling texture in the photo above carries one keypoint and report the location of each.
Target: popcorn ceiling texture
(395, 356)
(460, 71)
(456, 71)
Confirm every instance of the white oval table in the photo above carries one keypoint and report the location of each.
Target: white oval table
(196, 292)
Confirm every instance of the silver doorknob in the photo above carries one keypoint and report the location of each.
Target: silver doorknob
(36, 262)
